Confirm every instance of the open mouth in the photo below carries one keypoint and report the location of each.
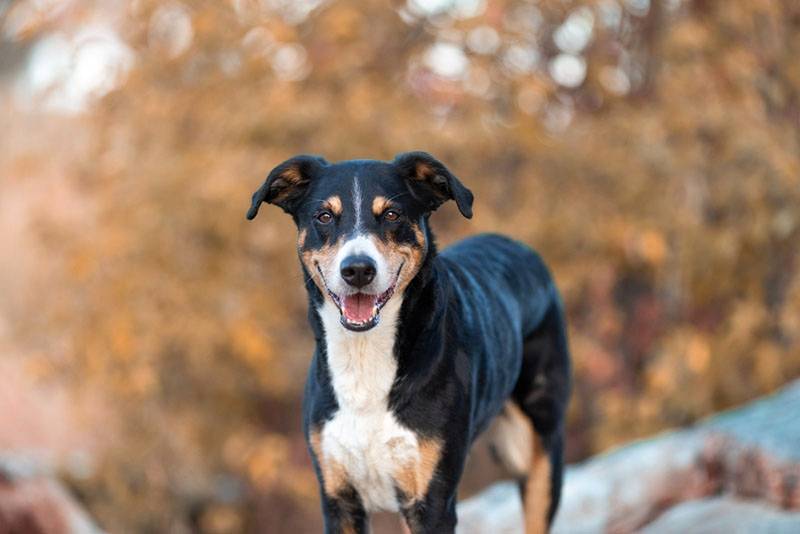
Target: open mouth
(360, 311)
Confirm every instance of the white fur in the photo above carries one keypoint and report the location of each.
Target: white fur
(357, 202)
(361, 245)
(364, 436)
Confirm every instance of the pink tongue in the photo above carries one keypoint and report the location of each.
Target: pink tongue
(358, 307)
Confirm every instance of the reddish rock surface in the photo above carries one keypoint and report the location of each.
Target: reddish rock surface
(33, 503)
(38, 431)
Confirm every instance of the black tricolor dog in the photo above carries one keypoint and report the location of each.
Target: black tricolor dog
(417, 351)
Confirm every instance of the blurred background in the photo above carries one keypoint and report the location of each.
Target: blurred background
(153, 344)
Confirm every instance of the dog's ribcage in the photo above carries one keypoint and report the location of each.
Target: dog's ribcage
(364, 437)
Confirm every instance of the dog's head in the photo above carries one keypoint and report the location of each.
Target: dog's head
(361, 224)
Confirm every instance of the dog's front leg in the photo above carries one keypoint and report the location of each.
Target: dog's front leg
(434, 514)
(344, 514)
(342, 507)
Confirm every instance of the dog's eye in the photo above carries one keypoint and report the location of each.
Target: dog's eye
(324, 217)
(391, 215)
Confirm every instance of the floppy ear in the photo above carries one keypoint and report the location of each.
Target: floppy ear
(287, 184)
(431, 182)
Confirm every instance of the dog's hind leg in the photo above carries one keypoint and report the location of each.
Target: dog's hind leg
(527, 437)
(541, 489)
(521, 451)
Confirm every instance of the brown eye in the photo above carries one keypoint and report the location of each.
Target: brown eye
(324, 217)
(391, 215)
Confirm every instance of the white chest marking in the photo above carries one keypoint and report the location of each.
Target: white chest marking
(364, 437)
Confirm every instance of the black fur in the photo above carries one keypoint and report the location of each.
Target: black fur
(481, 323)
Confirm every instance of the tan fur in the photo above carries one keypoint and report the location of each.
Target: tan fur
(409, 256)
(379, 205)
(285, 182)
(512, 438)
(413, 256)
(334, 477)
(414, 478)
(323, 257)
(292, 175)
(520, 450)
(418, 234)
(424, 171)
(301, 238)
(281, 188)
(334, 204)
(537, 491)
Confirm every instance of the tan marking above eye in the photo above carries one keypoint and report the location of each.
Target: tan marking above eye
(379, 205)
(334, 204)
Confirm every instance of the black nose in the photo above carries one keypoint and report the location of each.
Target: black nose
(358, 271)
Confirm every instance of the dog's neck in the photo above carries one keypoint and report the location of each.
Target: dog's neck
(362, 365)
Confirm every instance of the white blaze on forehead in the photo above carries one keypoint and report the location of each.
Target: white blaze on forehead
(363, 245)
(357, 201)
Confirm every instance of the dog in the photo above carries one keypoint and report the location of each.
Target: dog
(418, 352)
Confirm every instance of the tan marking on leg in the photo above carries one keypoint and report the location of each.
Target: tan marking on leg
(512, 439)
(334, 476)
(334, 204)
(537, 491)
(379, 205)
(430, 451)
(521, 451)
(415, 477)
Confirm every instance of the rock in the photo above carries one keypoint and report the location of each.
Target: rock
(724, 514)
(497, 509)
(738, 469)
(31, 502)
